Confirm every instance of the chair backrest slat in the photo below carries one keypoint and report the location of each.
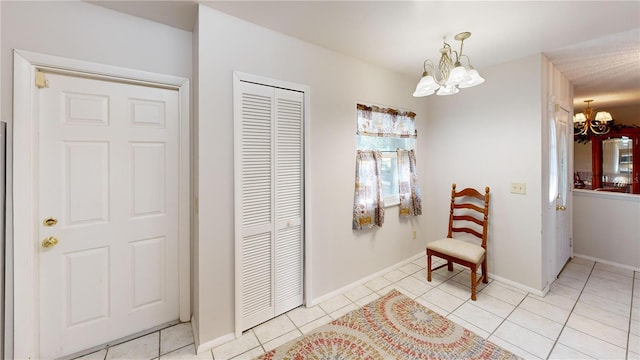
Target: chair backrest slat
(465, 208)
(469, 206)
(470, 192)
(467, 230)
(468, 218)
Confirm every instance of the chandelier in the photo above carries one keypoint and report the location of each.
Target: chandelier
(452, 75)
(584, 122)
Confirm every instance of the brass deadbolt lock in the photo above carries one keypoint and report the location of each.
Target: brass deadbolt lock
(50, 221)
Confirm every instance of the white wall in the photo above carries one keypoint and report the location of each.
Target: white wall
(607, 227)
(80, 30)
(340, 256)
(490, 135)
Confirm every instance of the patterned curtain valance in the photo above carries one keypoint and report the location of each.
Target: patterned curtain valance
(377, 121)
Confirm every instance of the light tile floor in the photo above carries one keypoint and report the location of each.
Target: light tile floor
(591, 311)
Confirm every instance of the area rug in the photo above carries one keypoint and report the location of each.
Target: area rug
(391, 327)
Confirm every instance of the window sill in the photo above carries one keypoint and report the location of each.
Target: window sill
(391, 201)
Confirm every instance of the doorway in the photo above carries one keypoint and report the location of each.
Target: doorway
(101, 214)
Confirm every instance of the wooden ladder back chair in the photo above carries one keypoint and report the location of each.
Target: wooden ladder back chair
(466, 208)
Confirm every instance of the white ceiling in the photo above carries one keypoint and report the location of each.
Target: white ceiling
(595, 43)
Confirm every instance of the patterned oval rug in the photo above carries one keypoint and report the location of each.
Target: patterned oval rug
(391, 327)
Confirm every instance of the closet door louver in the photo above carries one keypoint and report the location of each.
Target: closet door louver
(288, 200)
(269, 201)
(256, 203)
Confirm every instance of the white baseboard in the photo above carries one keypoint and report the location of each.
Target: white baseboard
(607, 262)
(368, 278)
(201, 348)
(363, 280)
(517, 285)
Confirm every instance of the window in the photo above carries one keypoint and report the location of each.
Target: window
(386, 130)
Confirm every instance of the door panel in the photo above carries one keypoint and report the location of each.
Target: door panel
(288, 200)
(85, 180)
(108, 171)
(147, 179)
(562, 246)
(269, 201)
(256, 204)
(87, 279)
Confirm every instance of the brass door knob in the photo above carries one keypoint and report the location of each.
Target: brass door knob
(50, 241)
(561, 207)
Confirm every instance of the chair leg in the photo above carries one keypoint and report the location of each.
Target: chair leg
(473, 283)
(428, 266)
(485, 277)
(449, 266)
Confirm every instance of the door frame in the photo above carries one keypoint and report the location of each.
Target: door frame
(26, 300)
(306, 286)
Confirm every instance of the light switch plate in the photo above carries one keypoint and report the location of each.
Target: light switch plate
(518, 188)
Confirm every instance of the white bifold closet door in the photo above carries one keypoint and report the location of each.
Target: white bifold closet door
(269, 155)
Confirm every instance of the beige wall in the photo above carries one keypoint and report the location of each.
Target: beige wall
(626, 115)
(339, 256)
(490, 135)
(495, 134)
(606, 227)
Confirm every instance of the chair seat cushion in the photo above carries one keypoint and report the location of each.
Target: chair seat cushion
(458, 248)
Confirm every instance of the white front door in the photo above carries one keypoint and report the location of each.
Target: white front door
(108, 211)
(562, 248)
